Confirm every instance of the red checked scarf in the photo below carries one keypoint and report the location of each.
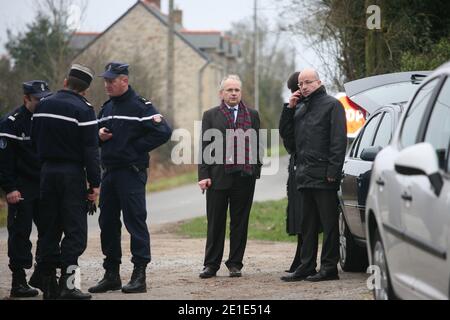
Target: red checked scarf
(244, 122)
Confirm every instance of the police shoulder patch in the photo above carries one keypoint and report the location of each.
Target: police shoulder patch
(144, 101)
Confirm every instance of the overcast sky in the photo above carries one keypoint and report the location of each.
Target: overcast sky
(99, 14)
(197, 15)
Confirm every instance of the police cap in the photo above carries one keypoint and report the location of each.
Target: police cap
(115, 69)
(82, 73)
(36, 88)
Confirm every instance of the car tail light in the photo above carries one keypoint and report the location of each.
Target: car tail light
(356, 116)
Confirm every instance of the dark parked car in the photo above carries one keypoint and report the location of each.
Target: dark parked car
(384, 98)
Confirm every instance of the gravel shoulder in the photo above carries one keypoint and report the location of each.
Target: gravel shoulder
(173, 273)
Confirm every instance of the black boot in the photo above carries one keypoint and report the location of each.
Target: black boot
(111, 281)
(20, 287)
(137, 283)
(50, 286)
(67, 290)
(36, 278)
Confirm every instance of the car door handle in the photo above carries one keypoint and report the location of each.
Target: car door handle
(406, 196)
(380, 182)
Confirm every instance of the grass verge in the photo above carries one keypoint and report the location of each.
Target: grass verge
(172, 182)
(267, 222)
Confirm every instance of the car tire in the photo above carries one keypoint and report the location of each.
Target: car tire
(384, 289)
(353, 258)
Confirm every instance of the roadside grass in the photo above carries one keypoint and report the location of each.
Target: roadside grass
(267, 222)
(3, 215)
(179, 180)
(172, 182)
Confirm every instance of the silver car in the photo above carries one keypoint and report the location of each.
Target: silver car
(408, 204)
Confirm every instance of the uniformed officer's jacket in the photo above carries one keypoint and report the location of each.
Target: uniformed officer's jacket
(135, 133)
(65, 129)
(18, 158)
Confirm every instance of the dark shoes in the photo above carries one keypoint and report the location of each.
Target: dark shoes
(50, 286)
(111, 281)
(20, 287)
(137, 283)
(297, 276)
(67, 290)
(36, 279)
(207, 272)
(323, 276)
(235, 272)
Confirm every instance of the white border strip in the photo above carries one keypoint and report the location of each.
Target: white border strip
(129, 118)
(56, 116)
(14, 137)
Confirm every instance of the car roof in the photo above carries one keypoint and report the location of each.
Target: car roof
(359, 90)
(357, 86)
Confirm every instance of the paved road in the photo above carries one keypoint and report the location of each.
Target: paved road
(188, 202)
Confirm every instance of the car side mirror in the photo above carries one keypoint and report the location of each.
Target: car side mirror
(420, 159)
(369, 153)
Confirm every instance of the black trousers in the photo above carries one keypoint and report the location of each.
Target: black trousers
(63, 210)
(124, 190)
(239, 198)
(19, 224)
(320, 208)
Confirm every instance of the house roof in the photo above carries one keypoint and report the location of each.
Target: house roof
(211, 39)
(152, 10)
(199, 40)
(80, 40)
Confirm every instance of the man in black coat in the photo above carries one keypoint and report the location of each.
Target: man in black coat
(318, 124)
(228, 172)
(293, 210)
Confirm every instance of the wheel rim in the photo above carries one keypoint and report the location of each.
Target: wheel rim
(342, 239)
(379, 259)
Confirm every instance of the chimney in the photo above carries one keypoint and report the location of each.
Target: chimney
(178, 16)
(156, 3)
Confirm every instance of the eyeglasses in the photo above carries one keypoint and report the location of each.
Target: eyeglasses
(307, 82)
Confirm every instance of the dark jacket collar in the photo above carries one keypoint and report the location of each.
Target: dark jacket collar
(318, 93)
(129, 93)
(71, 92)
(25, 110)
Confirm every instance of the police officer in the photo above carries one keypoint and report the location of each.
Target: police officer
(19, 178)
(130, 127)
(65, 132)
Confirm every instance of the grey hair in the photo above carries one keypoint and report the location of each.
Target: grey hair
(316, 74)
(230, 77)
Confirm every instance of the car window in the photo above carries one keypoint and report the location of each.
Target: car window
(384, 131)
(415, 114)
(368, 134)
(438, 128)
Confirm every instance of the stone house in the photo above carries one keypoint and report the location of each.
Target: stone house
(140, 38)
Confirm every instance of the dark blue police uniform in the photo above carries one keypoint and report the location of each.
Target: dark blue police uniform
(66, 135)
(125, 161)
(19, 171)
